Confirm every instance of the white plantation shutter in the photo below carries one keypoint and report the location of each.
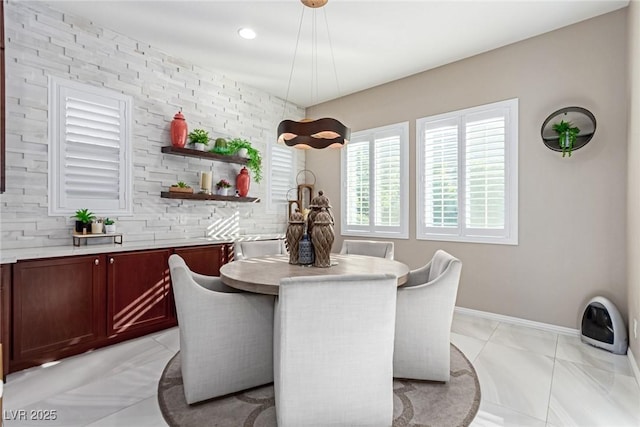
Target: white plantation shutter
(90, 154)
(440, 178)
(375, 175)
(281, 177)
(485, 171)
(467, 175)
(387, 181)
(357, 184)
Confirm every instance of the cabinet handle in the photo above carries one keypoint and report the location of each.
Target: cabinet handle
(110, 260)
(96, 261)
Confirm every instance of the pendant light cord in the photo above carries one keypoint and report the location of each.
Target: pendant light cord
(293, 63)
(333, 59)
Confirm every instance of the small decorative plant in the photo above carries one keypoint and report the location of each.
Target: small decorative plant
(254, 162)
(83, 220)
(84, 216)
(199, 136)
(109, 226)
(181, 187)
(223, 183)
(220, 147)
(567, 134)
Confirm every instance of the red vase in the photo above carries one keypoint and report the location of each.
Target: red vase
(242, 182)
(178, 130)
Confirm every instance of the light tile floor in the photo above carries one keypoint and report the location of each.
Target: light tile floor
(528, 378)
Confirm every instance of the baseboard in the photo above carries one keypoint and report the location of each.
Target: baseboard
(517, 321)
(634, 365)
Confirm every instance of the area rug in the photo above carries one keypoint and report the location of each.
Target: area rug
(416, 403)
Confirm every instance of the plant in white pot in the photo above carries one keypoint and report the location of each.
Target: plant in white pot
(199, 138)
(254, 159)
(109, 226)
(223, 187)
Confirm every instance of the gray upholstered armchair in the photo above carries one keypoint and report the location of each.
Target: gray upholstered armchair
(423, 320)
(226, 336)
(256, 248)
(368, 247)
(333, 350)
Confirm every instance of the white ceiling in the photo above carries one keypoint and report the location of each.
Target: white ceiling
(374, 42)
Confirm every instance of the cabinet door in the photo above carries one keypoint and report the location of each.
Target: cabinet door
(205, 260)
(138, 297)
(5, 315)
(58, 307)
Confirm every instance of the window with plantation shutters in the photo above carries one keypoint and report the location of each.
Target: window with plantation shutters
(281, 177)
(467, 175)
(90, 149)
(374, 183)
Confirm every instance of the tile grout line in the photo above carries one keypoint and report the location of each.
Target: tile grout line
(487, 340)
(122, 409)
(553, 373)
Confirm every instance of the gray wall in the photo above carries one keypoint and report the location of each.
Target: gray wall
(572, 211)
(43, 42)
(633, 193)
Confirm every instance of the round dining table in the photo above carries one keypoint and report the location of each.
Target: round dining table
(263, 274)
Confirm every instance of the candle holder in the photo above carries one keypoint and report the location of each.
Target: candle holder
(206, 179)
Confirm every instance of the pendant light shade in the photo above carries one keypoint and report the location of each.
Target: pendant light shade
(321, 133)
(307, 133)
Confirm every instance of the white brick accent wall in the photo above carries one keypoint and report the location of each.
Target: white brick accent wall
(40, 42)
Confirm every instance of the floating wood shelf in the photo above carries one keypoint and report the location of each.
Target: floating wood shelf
(204, 155)
(200, 196)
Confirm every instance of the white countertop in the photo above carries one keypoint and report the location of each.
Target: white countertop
(10, 256)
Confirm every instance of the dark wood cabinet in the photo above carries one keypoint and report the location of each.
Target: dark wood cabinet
(5, 315)
(58, 308)
(205, 260)
(138, 292)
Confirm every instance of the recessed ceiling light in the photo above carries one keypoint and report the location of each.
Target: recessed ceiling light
(247, 33)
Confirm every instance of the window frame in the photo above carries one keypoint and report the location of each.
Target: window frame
(509, 234)
(57, 107)
(371, 230)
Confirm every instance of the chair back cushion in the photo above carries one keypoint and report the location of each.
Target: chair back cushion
(439, 264)
(226, 339)
(368, 247)
(333, 350)
(258, 248)
(423, 320)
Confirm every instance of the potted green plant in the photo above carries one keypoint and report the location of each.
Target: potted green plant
(199, 138)
(223, 187)
(180, 187)
(254, 159)
(109, 226)
(220, 147)
(83, 220)
(567, 134)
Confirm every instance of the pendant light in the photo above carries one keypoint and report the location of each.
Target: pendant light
(307, 133)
